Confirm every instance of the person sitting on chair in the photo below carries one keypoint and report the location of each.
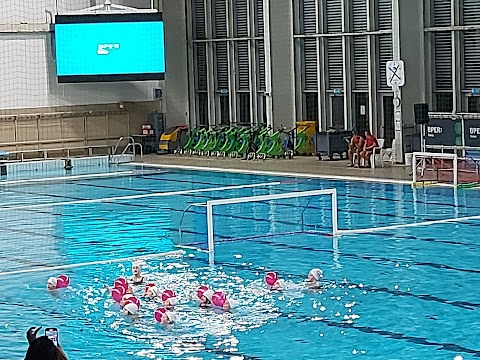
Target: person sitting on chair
(355, 147)
(370, 143)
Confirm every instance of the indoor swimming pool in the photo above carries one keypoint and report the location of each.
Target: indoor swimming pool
(394, 293)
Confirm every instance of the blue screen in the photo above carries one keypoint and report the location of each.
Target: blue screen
(114, 48)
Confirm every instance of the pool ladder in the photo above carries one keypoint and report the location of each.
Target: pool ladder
(131, 143)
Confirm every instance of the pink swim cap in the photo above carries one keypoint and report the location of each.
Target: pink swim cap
(271, 278)
(134, 300)
(168, 294)
(121, 282)
(63, 281)
(159, 313)
(117, 294)
(201, 290)
(148, 286)
(219, 298)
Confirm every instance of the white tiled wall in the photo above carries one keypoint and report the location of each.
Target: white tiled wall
(27, 67)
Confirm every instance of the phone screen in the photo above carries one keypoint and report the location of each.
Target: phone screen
(52, 334)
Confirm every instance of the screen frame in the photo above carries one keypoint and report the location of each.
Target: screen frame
(108, 18)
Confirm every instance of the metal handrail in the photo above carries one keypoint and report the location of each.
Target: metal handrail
(131, 143)
(46, 151)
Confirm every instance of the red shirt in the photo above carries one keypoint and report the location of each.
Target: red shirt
(371, 141)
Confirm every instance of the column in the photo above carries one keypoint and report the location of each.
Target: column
(176, 80)
(282, 75)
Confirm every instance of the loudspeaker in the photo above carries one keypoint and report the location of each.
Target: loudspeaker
(421, 114)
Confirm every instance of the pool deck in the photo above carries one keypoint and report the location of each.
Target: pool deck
(300, 165)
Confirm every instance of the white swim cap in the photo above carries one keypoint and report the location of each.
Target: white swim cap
(173, 301)
(155, 291)
(171, 316)
(281, 284)
(316, 273)
(233, 303)
(208, 294)
(131, 308)
(52, 281)
(137, 263)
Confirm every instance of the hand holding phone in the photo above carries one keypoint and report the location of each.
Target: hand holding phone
(52, 334)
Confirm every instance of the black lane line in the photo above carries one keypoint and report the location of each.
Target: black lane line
(389, 334)
(365, 329)
(348, 255)
(233, 217)
(310, 207)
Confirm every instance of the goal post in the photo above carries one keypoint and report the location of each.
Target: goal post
(210, 205)
(435, 168)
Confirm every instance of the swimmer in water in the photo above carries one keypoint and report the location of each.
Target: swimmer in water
(205, 295)
(168, 318)
(137, 278)
(52, 284)
(220, 300)
(169, 298)
(274, 283)
(126, 298)
(313, 278)
(151, 291)
(130, 308)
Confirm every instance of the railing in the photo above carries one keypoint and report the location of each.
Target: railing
(131, 143)
(66, 152)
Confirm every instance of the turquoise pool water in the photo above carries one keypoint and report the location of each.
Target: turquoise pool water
(395, 294)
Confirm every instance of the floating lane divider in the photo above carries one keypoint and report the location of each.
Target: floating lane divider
(68, 178)
(163, 255)
(142, 196)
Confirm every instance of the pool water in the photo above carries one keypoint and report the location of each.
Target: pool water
(409, 292)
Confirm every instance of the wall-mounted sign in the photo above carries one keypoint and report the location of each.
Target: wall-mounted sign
(472, 133)
(443, 132)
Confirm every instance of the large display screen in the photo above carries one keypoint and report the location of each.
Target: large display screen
(120, 47)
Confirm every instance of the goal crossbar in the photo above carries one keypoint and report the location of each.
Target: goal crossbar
(430, 155)
(212, 203)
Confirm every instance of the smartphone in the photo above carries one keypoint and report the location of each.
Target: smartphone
(52, 334)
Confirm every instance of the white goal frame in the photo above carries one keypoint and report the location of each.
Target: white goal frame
(212, 203)
(417, 155)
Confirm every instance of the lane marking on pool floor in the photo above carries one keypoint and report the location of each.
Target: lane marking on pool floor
(142, 196)
(168, 254)
(275, 173)
(399, 226)
(67, 178)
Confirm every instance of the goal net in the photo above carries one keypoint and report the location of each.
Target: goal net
(444, 169)
(263, 218)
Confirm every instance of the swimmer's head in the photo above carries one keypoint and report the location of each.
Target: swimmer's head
(314, 275)
(229, 304)
(152, 291)
(136, 269)
(207, 297)
(171, 302)
(52, 283)
(279, 285)
(130, 308)
(168, 317)
(125, 299)
(271, 278)
(201, 290)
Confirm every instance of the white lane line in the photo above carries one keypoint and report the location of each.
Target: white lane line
(275, 173)
(168, 254)
(141, 196)
(399, 226)
(67, 178)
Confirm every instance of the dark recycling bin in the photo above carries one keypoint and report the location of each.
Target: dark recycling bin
(328, 143)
